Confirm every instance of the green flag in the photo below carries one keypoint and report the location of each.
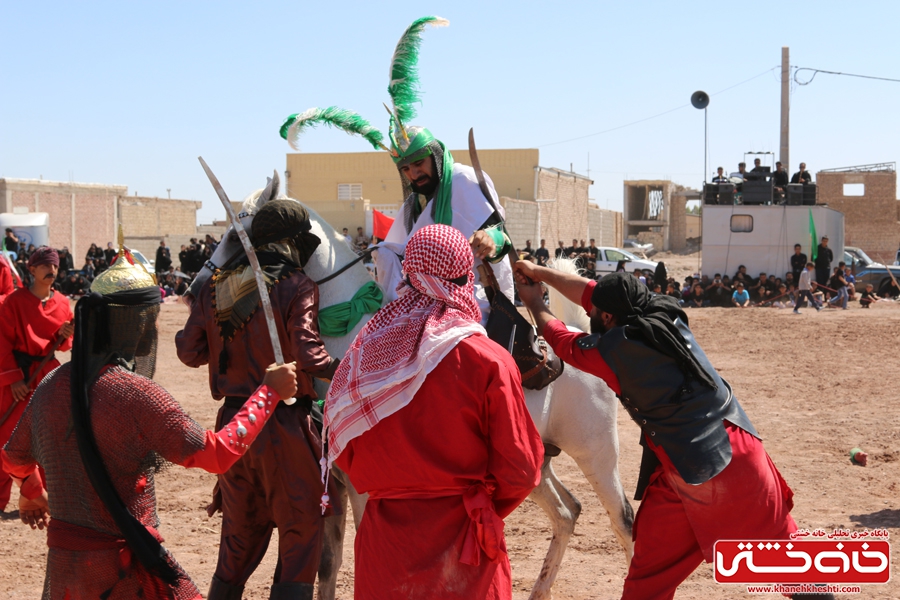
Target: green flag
(813, 245)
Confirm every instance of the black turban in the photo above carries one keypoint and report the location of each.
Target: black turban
(650, 317)
(280, 220)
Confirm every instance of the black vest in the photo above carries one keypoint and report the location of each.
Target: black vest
(681, 415)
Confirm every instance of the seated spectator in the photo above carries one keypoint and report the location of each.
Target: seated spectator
(868, 296)
(789, 279)
(779, 181)
(697, 298)
(673, 291)
(742, 276)
(718, 293)
(782, 298)
(762, 290)
(74, 285)
(704, 281)
(656, 289)
(741, 173)
(740, 297)
(181, 286)
(88, 269)
(851, 281)
(640, 276)
(802, 176)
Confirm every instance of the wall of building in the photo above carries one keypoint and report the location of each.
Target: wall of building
(315, 176)
(521, 221)
(80, 213)
(654, 213)
(148, 220)
(605, 226)
(692, 226)
(563, 197)
(871, 220)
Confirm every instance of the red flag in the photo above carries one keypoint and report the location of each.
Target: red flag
(381, 224)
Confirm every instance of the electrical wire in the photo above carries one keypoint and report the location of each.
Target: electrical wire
(671, 110)
(817, 71)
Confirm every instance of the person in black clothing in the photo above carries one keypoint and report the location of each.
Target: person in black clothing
(527, 252)
(779, 181)
(110, 253)
(868, 296)
(561, 251)
(742, 276)
(65, 260)
(798, 261)
(802, 176)
(542, 254)
(762, 290)
(824, 256)
(74, 285)
(720, 176)
(11, 242)
(163, 258)
(757, 166)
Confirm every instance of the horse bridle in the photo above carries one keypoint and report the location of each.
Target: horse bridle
(209, 264)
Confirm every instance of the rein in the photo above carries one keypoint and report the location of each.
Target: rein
(366, 254)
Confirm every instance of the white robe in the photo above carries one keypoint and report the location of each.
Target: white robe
(470, 211)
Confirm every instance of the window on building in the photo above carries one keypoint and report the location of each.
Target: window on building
(349, 191)
(741, 223)
(854, 189)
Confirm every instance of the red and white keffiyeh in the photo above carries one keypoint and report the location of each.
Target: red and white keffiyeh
(405, 340)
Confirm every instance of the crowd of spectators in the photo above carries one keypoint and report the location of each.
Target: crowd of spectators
(75, 277)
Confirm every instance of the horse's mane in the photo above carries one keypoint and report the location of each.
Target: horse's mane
(571, 314)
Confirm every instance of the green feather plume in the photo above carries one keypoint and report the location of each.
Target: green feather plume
(347, 120)
(404, 73)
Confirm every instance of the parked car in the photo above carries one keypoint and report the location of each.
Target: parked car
(867, 270)
(608, 258)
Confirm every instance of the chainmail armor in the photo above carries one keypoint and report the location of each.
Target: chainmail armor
(136, 424)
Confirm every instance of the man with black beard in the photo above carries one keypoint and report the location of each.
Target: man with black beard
(704, 474)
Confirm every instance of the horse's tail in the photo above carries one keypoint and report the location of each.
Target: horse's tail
(571, 314)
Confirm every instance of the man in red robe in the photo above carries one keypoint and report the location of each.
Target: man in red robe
(427, 416)
(705, 475)
(31, 320)
(101, 428)
(277, 484)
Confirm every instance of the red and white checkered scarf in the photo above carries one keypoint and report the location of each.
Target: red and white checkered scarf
(405, 340)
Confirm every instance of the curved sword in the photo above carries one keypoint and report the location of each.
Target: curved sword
(254, 264)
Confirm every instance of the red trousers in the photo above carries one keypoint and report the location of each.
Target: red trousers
(678, 523)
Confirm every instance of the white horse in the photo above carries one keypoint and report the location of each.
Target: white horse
(576, 414)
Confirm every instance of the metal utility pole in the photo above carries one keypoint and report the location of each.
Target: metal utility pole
(785, 153)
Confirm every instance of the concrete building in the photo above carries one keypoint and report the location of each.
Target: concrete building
(86, 213)
(540, 202)
(867, 195)
(654, 212)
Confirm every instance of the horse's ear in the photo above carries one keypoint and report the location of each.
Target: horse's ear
(273, 184)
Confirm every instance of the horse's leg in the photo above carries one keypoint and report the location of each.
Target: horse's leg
(602, 471)
(563, 509)
(333, 544)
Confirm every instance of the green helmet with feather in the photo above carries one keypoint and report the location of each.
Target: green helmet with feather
(405, 142)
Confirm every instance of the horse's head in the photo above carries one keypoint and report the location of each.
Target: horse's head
(230, 246)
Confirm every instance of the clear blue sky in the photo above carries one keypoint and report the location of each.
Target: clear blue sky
(131, 93)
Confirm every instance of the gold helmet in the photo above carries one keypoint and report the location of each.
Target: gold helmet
(124, 274)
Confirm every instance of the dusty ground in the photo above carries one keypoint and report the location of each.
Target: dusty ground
(815, 385)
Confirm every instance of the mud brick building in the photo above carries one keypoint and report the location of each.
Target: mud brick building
(867, 195)
(85, 213)
(540, 202)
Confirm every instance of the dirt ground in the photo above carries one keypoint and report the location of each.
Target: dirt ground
(815, 385)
